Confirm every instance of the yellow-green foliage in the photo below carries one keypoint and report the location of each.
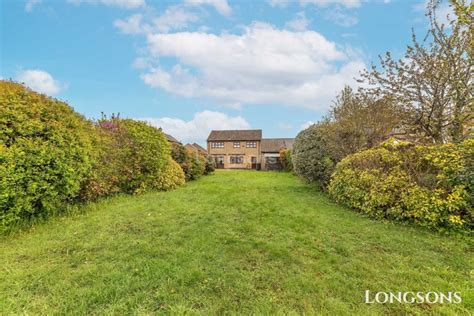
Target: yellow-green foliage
(45, 153)
(428, 185)
(171, 177)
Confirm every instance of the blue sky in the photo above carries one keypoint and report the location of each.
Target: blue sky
(192, 66)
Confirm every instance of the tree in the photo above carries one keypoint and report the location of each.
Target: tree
(433, 83)
(358, 121)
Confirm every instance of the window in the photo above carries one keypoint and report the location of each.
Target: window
(251, 144)
(219, 160)
(236, 144)
(236, 159)
(217, 145)
(271, 160)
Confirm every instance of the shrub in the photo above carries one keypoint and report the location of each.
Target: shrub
(180, 154)
(429, 185)
(210, 165)
(286, 159)
(311, 159)
(133, 155)
(197, 165)
(171, 177)
(46, 153)
(193, 164)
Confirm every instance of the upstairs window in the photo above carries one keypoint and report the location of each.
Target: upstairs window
(217, 145)
(236, 144)
(251, 144)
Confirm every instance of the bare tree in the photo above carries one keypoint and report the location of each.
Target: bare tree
(433, 83)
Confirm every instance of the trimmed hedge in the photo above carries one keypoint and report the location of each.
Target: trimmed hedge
(46, 153)
(428, 185)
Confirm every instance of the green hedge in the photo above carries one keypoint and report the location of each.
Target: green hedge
(51, 156)
(171, 177)
(46, 153)
(132, 155)
(193, 164)
(311, 159)
(428, 185)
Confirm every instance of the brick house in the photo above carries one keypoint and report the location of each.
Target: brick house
(245, 149)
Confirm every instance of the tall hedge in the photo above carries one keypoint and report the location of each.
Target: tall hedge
(428, 185)
(132, 156)
(46, 153)
(311, 158)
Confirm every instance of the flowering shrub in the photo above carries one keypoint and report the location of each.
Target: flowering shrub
(428, 185)
(132, 155)
(46, 153)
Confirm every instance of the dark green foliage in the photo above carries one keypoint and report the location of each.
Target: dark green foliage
(46, 153)
(197, 165)
(210, 165)
(311, 159)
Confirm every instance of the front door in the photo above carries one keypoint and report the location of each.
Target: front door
(254, 162)
(219, 162)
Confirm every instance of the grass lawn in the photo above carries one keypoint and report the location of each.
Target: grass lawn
(235, 241)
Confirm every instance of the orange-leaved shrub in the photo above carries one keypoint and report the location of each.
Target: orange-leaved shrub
(428, 185)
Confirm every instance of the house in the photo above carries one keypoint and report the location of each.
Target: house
(246, 149)
(271, 148)
(196, 148)
(171, 139)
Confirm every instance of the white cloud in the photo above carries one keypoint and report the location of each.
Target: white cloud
(40, 81)
(132, 25)
(197, 129)
(325, 3)
(263, 65)
(220, 5)
(174, 18)
(125, 4)
(300, 23)
(30, 4)
(278, 3)
(340, 17)
(307, 124)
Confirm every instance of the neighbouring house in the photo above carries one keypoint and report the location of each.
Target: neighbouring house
(171, 139)
(246, 149)
(196, 148)
(271, 148)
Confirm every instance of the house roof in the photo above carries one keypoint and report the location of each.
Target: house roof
(274, 145)
(200, 148)
(196, 147)
(171, 138)
(226, 135)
